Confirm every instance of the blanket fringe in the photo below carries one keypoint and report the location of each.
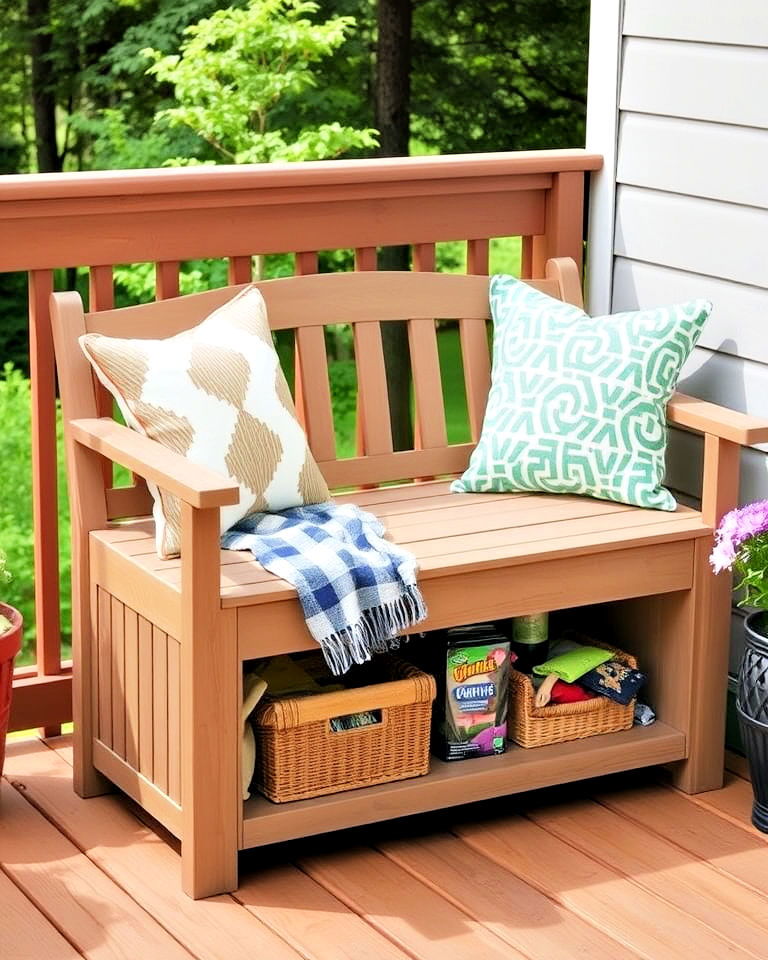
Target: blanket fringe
(377, 631)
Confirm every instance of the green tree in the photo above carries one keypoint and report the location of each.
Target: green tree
(234, 71)
(499, 75)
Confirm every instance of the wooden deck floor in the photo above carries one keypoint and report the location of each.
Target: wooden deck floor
(615, 869)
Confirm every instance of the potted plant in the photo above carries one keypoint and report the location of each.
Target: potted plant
(10, 644)
(741, 544)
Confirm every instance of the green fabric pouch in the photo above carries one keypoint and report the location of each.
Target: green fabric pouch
(574, 664)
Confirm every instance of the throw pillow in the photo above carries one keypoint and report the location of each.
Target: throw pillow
(216, 394)
(578, 404)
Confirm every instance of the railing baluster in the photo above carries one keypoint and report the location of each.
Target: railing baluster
(365, 258)
(477, 256)
(167, 279)
(239, 270)
(564, 222)
(306, 262)
(101, 296)
(526, 258)
(424, 257)
(44, 487)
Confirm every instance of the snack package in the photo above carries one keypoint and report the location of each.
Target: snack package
(471, 708)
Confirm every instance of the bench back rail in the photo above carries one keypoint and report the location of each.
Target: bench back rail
(306, 305)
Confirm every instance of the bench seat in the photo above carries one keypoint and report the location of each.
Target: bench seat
(453, 535)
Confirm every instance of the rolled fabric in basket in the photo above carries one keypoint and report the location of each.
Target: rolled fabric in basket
(569, 667)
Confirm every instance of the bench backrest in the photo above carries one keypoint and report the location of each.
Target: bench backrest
(306, 304)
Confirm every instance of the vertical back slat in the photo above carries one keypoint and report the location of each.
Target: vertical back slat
(315, 392)
(477, 370)
(427, 386)
(118, 678)
(44, 487)
(167, 279)
(131, 636)
(365, 259)
(174, 721)
(160, 709)
(239, 270)
(372, 395)
(146, 732)
(104, 678)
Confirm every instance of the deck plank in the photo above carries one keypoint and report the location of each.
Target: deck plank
(740, 853)
(140, 862)
(96, 915)
(310, 918)
(419, 920)
(739, 915)
(636, 870)
(26, 933)
(734, 802)
(642, 921)
(517, 913)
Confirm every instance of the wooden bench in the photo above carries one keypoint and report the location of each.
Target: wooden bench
(159, 645)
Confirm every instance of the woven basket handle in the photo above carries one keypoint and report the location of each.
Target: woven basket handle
(293, 712)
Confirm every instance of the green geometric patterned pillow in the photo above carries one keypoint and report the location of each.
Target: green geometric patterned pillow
(577, 403)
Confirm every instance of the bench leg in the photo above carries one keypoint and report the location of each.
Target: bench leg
(711, 599)
(211, 692)
(87, 780)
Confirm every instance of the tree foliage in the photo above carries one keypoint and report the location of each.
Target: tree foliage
(236, 70)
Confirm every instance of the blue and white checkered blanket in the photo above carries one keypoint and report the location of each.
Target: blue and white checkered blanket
(358, 591)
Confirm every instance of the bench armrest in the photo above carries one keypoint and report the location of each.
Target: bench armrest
(195, 485)
(693, 414)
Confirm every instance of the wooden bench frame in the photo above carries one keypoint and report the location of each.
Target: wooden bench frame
(197, 633)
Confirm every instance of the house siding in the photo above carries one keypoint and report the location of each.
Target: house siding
(688, 195)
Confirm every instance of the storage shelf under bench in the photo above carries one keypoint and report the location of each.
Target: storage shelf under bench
(449, 784)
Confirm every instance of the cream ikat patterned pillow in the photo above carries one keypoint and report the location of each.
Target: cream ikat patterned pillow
(217, 395)
(578, 404)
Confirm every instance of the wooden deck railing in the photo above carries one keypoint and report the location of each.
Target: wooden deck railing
(97, 220)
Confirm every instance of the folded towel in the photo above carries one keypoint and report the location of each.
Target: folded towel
(358, 591)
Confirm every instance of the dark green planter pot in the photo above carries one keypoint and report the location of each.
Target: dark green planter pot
(752, 709)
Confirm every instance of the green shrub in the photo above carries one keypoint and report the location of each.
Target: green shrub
(16, 535)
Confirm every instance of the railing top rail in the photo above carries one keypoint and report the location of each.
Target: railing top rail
(60, 186)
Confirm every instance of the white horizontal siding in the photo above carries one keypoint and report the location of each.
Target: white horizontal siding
(739, 21)
(738, 324)
(735, 383)
(700, 81)
(685, 463)
(730, 381)
(714, 160)
(702, 236)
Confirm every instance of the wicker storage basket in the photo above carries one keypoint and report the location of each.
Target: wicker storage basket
(298, 755)
(531, 726)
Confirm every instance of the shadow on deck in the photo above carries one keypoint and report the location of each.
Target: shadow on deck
(618, 868)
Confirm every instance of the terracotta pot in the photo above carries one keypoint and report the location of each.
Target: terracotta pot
(10, 644)
(752, 710)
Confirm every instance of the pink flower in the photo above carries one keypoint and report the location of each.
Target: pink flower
(736, 528)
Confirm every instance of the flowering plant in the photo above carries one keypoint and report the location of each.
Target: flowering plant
(741, 544)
